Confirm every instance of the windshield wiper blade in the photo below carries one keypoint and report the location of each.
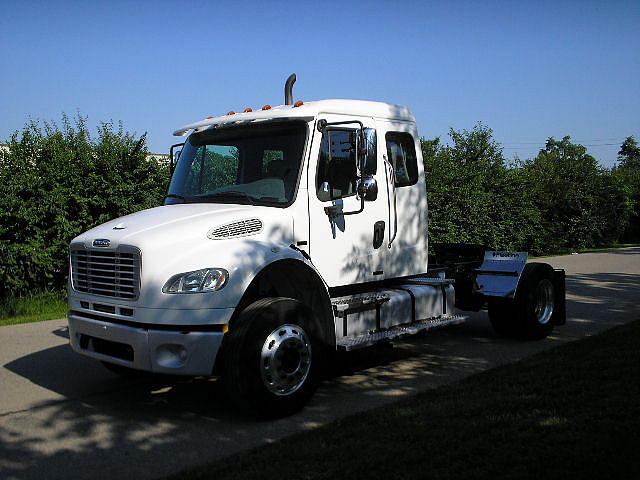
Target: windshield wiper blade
(227, 194)
(175, 195)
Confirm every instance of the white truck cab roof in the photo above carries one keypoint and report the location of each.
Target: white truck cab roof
(305, 111)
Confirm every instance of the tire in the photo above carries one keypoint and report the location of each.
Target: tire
(535, 302)
(271, 360)
(530, 315)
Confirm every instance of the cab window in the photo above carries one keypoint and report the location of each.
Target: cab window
(401, 153)
(337, 173)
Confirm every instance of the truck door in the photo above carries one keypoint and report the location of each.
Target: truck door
(346, 249)
(407, 251)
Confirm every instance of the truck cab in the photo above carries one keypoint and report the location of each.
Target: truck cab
(286, 233)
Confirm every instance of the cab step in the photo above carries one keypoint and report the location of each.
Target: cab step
(366, 340)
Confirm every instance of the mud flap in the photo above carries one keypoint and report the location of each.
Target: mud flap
(499, 274)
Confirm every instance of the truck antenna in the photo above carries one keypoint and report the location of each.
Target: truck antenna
(288, 89)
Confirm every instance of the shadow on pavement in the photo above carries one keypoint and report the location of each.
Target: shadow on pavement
(62, 332)
(107, 426)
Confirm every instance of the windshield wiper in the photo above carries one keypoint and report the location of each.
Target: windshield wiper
(174, 195)
(227, 194)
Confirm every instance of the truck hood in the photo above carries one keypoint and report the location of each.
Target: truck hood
(182, 224)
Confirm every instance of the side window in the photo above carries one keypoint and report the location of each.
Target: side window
(337, 173)
(401, 152)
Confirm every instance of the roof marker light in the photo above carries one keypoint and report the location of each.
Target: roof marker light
(231, 113)
(248, 109)
(299, 103)
(266, 107)
(209, 118)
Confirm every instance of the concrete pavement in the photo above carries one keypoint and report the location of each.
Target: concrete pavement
(64, 416)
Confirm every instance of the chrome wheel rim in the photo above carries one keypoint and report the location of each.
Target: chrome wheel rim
(285, 359)
(544, 301)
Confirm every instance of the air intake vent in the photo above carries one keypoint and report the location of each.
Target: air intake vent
(241, 228)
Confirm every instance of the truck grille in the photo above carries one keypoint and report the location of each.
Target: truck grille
(110, 273)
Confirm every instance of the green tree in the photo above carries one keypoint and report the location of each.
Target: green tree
(580, 203)
(474, 197)
(456, 180)
(628, 173)
(58, 182)
(560, 200)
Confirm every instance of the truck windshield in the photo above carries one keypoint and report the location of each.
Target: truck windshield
(255, 165)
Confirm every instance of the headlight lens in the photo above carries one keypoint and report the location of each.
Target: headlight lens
(198, 281)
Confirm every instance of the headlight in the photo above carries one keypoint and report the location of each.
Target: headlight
(198, 281)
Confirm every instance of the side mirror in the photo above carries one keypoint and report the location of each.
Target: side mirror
(174, 154)
(368, 189)
(368, 149)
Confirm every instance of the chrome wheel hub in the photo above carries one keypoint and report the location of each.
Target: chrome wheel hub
(285, 359)
(544, 301)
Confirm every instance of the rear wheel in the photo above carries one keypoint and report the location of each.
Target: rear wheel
(271, 357)
(529, 316)
(535, 301)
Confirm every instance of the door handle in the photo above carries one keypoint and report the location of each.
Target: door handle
(378, 234)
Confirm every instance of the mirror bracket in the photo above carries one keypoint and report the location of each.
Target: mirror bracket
(175, 155)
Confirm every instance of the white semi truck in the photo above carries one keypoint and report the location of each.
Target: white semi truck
(288, 233)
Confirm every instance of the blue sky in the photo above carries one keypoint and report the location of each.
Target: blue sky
(528, 70)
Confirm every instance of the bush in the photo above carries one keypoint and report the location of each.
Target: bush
(627, 174)
(474, 196)
(59, 182)
(582, 204)
(560, 200)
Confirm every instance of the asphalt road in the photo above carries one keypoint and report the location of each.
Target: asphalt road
(64, 416)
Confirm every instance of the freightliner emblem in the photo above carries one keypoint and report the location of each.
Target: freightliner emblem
(101, 242)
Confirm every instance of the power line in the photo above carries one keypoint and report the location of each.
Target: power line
(581, 142)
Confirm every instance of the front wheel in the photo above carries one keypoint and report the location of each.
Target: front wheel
(271, 357)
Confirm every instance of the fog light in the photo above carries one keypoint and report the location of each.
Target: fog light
(171, 355)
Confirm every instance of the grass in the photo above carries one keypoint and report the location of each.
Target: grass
(38, 307)
(572, 412)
